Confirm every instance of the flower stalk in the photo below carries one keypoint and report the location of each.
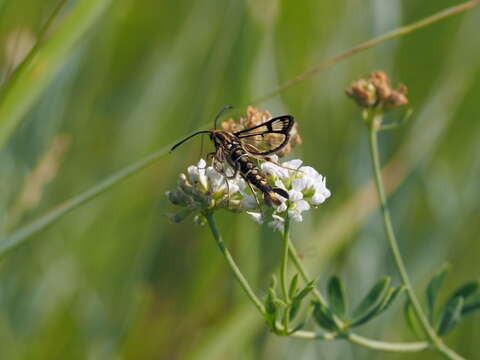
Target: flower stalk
(374, 127)
(283, 270)
(231, 263)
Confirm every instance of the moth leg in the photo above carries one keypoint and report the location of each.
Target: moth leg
(255, 196)
(217, 164)
(228, 191)
(235, 172)
(269, 159)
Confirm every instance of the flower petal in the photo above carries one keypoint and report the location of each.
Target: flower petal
(257, 217)
(295, 195)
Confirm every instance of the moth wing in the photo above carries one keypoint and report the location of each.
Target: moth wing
(268, 137)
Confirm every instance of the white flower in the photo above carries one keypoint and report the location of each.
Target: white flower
(257, 217)
(203, 188)
(306, 189)
(277, 222)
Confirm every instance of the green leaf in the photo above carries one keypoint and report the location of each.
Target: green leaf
(467, 290)
(412, 320)
(293, 287)
(270, 306)
(271, 309)
(296, 328)
(376, 293)
(297, 300)
(336, 296)
(380, 306)
(391, 297)
(451, 315)
(306, 290)
(433, 288)
(323, 316)
(469, 308)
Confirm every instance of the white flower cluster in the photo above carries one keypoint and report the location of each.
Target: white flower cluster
(203, 188)
(305, 186)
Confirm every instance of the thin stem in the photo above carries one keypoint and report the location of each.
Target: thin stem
(11, 241)
(303, 272)
(351, 337)
(388, 346)
(451, 11)
(231, 263)
(18, 237)
(284, 263)
(283, 272)
(416, 346)
(387, 223)
(308, 335)
(41, 37)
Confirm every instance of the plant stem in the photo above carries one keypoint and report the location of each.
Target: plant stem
(388, 346)
(283, 271)
(308, 335)
(303, 272)
(351, 337)
(231, 263)
(283, 264)
(392, 242)
(401, 31)
(365, 342)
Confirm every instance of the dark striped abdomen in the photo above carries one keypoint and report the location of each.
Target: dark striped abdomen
(249, 169)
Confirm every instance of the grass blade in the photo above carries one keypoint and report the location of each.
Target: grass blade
(11, 241)
(42, 65)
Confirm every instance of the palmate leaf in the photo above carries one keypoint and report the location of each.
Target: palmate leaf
(433, 289)
(336, 297)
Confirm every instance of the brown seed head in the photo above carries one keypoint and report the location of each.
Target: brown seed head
(376, 91)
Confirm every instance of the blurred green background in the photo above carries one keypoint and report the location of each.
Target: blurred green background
(115, 280)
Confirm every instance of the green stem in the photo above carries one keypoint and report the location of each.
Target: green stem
(387, 223)
(233, 266)
(365, 342)
(401, 31)
(283, 265)
(303, 272)
(388, 346)
(308, 335)
(283, 272)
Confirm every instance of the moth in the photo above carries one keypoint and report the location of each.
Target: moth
(239, 150)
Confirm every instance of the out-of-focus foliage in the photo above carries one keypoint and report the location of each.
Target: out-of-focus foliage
(115, 280)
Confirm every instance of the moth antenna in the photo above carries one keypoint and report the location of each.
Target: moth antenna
(220, 113)
(189, 137)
